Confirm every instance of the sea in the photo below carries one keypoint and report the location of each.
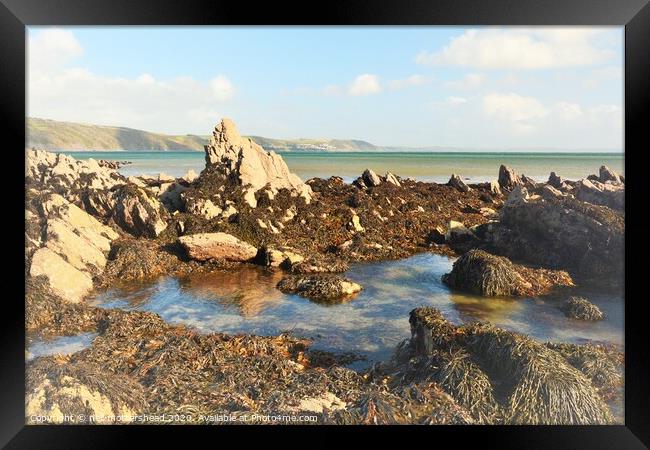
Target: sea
(424, 166)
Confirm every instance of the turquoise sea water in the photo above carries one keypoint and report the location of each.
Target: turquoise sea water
(476, 166)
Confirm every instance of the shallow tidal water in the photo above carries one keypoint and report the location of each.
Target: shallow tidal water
(370, 324)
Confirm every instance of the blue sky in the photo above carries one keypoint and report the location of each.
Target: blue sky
(556, 88)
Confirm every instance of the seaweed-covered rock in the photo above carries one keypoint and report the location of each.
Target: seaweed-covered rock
(207, 246)
(581, 309)
(562, 233)
(248, 164)
(500, 376)
(319, 287)
(485, 274)
(81, 393)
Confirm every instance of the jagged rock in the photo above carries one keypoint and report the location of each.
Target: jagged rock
(528, 182)
(189, 176)
(203, 207)
(64, 279)
(580, 308)
(319, 287)
(64, 174)
(549, 191)
(138, 212)
(495, 187)
(508, 178)
(606, 174)
(78, 221)
(206, 246)
(518, 195)
(606, 194)
(457, 182)
(370, 178)
(555, 181)
(248, 164)
(392, 179)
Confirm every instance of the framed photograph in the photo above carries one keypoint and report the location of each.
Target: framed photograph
(374, 217)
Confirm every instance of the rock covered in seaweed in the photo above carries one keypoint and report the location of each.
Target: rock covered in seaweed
(580, 308)
(248, 164)
(319, 287)
(501, 377)
(481, 273)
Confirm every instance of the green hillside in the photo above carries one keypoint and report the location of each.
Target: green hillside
(54, 135)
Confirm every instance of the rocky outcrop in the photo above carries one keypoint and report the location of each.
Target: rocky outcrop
(64, 175)
(392, 179)
(481, 273)
(599, 193)
(138, 212)
(457, 182)
(580, 308)
(370, 178)
(64, 279)
(606, 174)
(71, 249)
(208, 246)
(508, 178)
(319, 287)
(561, 233)
(246, 163)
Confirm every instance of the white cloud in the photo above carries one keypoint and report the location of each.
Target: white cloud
(536, 48)
(518, 111)
(568, 111)
(453, 101)
(413, 80)
(52, 47)
(58, 91)
(365, 84)
(469, 81)
(222, 87)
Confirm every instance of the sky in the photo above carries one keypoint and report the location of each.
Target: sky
(478, 88)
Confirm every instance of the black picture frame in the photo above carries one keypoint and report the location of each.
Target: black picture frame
(15, 15)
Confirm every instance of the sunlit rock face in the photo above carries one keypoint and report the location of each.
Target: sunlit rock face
(249, 164)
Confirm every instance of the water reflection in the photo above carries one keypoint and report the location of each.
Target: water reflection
(250, 290)
(61, 345)
(372, 323)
